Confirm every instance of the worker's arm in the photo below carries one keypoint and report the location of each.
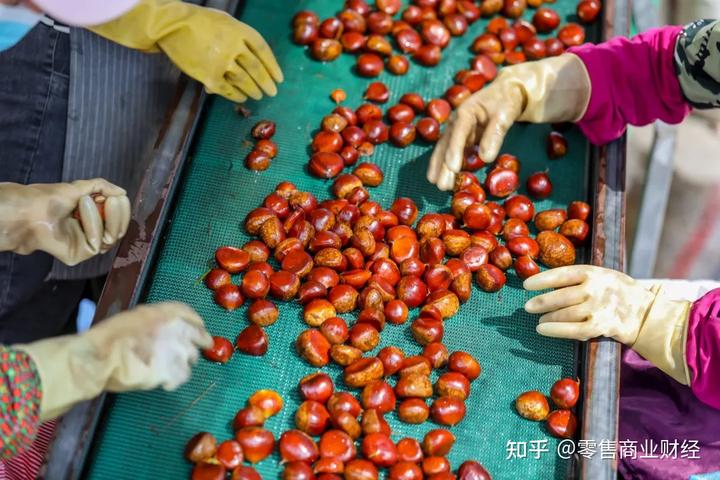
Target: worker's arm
(229, 57)
(148, 347)
(62, 219)
(702, 349)
(657, 75)
(634, 82)
(680, 338)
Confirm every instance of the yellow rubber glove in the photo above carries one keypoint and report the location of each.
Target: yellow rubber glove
(592, 302)
(227, 56)
(41, 217)
(555, 89)
(147, 347)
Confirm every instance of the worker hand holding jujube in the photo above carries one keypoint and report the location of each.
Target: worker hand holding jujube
(71, 221)
(227, 56)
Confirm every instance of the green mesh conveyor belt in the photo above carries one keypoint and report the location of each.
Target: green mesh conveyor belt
(144, 433)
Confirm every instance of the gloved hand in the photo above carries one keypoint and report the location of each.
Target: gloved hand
(40, 217)
(229, 57)
(143, 348)
(555, 89)
(591, 302)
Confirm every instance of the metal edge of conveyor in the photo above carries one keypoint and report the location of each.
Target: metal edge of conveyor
(74, 433)
(602, 356)
(75, 430)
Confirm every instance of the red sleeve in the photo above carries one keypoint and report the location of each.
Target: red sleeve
(633, 83)
(703, 348)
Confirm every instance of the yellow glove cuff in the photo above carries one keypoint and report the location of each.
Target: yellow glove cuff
(555, 89)
(69, 372)
(144, 25)
(663, 336)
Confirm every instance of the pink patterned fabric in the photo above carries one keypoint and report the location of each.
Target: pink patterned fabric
(633, 82)
(703, 348)
(26, 465)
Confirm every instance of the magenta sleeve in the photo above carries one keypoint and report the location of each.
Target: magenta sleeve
(703, 348)
(633, 82)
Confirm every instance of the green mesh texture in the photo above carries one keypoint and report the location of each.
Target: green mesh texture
(143, 434)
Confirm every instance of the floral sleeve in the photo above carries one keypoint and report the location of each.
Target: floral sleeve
(697, 63)
(20, 396)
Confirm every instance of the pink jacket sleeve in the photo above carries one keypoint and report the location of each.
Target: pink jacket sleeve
(633, 82)
(703, 348)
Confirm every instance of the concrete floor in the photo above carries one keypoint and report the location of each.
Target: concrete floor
(690, 242)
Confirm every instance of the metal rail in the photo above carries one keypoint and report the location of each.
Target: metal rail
(659, 175)
(124, 284)
(602, 356)
(656, 194)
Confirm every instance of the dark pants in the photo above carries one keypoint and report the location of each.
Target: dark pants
(34, 78)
